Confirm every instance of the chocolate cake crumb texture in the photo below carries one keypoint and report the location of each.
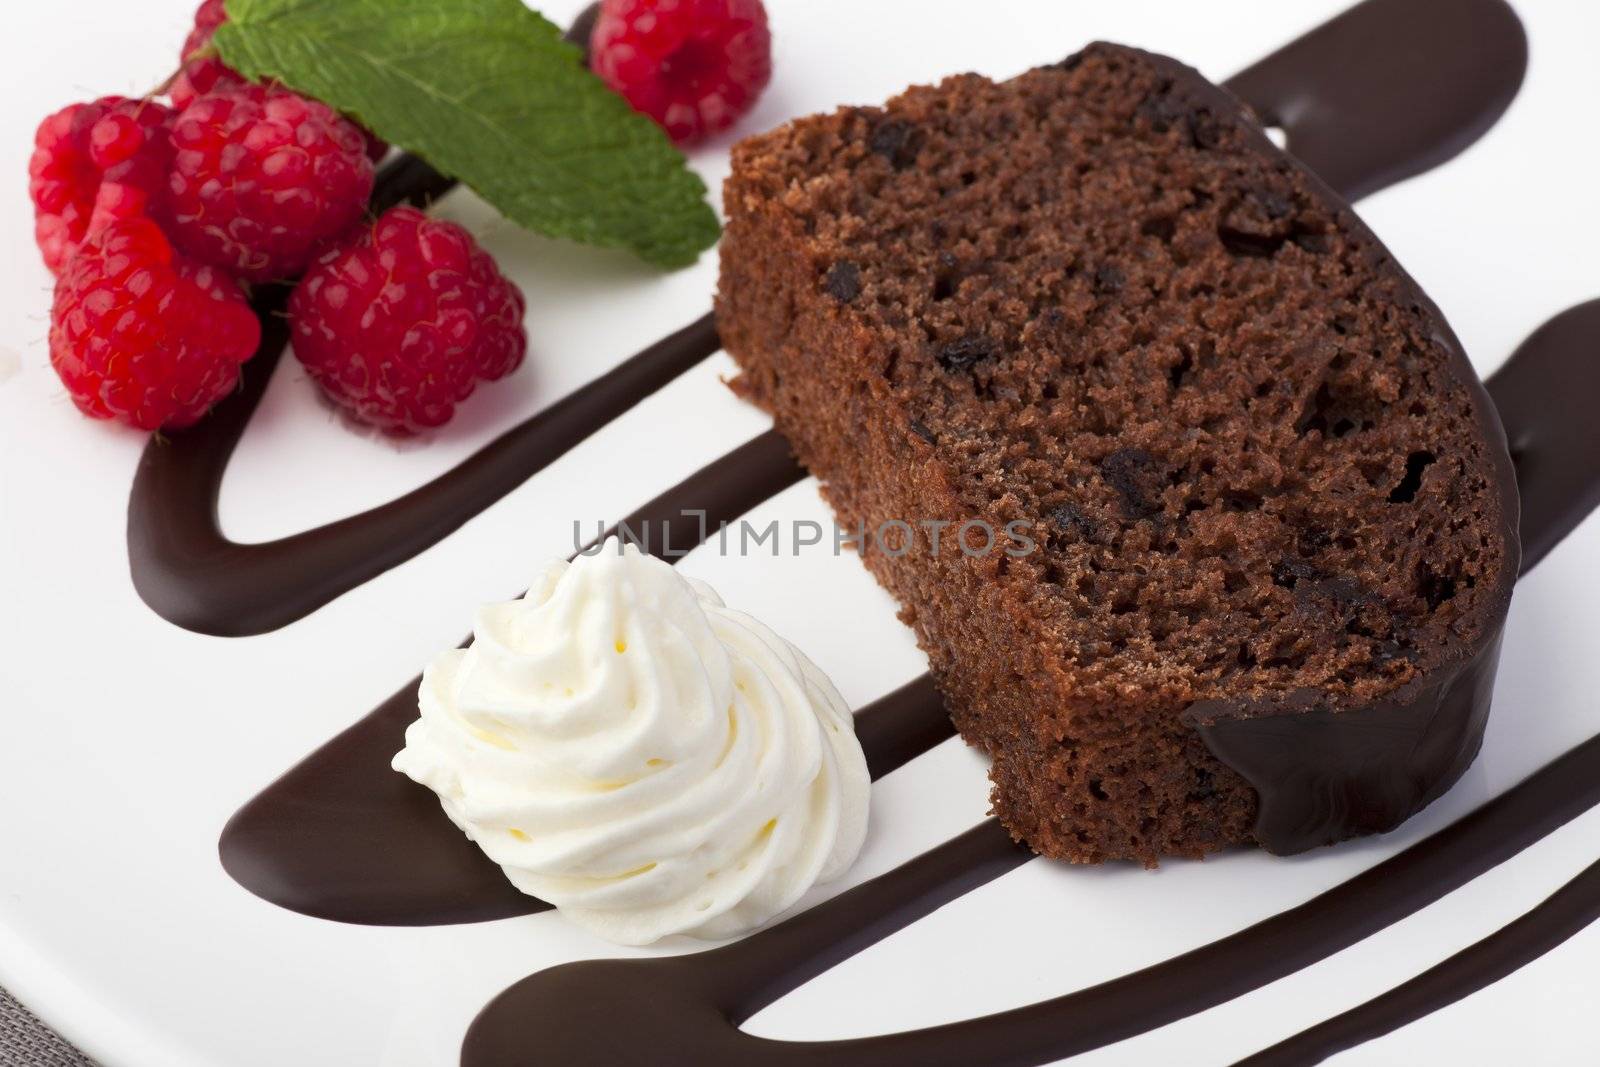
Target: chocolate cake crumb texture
(1095, 300)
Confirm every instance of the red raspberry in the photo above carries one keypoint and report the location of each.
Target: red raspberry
(209, 74)
(202, 74)
(261, 178)
(208, 16)
(692, 65)
(400, 324)
(141, 334)
(94, 163)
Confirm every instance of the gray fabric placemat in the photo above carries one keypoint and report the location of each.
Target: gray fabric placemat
(27, 1042)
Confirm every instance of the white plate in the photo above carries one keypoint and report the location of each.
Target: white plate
(125, 743)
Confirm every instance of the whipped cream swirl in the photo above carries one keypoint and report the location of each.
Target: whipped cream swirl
(646, 759)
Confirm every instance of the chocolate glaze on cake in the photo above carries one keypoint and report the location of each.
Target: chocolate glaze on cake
(1276, 523)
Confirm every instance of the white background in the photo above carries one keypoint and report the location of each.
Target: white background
(125, 743)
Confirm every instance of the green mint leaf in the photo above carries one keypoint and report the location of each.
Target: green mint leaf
(487, 92)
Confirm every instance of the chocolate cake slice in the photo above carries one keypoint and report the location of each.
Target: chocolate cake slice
(1267, 519)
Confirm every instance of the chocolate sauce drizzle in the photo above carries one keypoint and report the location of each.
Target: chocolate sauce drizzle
(188, 570)
(629, 1011)
(1387, 91)
(1565, 913)
(344, 837)
(1550, 440)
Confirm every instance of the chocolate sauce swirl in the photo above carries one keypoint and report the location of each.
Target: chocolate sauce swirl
(687, 1009)
(1389, 90)
(1548, 437)
(344, 837)
(189, 571)
(1565, 913)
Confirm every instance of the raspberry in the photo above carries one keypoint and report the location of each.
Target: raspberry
(692, 65)
(94, 163)
(261, 178)
(207, 17)
(204, 73)
(141, 334)
(207, 73)
(201, 75)
(401, 323)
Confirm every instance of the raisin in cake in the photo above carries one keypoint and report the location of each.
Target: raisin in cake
(1273, 517)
